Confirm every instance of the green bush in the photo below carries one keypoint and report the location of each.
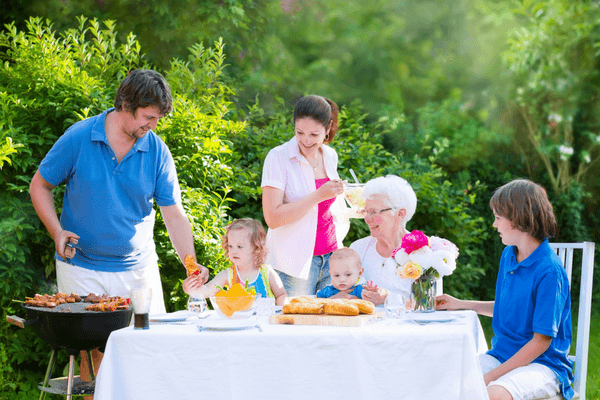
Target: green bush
(457, 139)
(48, 81)
(197, 134)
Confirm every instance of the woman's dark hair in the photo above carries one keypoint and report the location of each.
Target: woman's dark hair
(321, 110)
(143, 88)
(525, 204)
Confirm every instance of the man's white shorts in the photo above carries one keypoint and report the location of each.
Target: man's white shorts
(83, 281)
(533, 381)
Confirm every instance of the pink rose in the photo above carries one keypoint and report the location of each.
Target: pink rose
(414, 241)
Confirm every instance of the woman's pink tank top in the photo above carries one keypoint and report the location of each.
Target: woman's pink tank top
(326, 241)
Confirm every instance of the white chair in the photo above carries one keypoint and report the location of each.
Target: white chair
(565, 253)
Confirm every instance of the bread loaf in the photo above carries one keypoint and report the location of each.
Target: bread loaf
(341, 307)
(308, 305)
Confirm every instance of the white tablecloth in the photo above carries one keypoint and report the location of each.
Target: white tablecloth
(383, 360)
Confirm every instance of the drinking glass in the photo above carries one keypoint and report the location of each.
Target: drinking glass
(197, 305)
(396, 304)
(265, 306)
(140, 300)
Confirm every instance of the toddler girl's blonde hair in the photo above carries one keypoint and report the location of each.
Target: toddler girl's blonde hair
(258, 237)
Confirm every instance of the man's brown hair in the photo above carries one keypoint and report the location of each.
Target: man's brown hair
(143, 88)
(525, 204)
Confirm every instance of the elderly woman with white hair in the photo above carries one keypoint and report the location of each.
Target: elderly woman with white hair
(390, 202)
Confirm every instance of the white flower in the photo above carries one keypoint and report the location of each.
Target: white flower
(587, 158)
(438, 243)
(401, 257)
(423, 257)
(567, 150)
(444, 262)
(555, 117)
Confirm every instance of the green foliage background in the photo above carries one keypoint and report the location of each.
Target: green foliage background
(440, 93)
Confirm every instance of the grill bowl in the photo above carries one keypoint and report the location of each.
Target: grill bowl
(77, 328)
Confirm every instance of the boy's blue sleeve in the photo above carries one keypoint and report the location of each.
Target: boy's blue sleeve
(551, 295)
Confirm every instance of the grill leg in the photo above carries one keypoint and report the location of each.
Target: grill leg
(70, 377)
(90, 365)
(48, 373)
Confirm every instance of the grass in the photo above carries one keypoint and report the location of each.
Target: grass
(593, 372)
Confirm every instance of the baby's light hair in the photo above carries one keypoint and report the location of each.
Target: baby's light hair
(258, 237)
(346, 254)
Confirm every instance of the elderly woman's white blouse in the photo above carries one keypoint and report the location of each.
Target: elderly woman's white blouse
(380, 270)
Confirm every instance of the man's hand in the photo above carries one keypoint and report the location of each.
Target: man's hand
(60, 244)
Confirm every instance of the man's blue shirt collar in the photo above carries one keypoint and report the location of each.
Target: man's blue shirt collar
(99, 134)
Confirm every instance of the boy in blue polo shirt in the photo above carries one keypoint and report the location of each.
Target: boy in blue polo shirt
(532, 309)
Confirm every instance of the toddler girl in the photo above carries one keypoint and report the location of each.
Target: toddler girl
(244, 244)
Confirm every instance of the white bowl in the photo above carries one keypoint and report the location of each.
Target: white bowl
(234, 307)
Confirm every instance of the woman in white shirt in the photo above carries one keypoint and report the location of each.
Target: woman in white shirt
(307, 220)
(390, 202)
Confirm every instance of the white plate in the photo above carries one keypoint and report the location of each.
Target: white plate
(431, 317)
(176, 316)
(222, 324)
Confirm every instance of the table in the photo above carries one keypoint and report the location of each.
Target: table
(386, 359)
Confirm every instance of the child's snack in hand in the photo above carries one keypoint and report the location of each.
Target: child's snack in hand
(190, 265)
(236, 298)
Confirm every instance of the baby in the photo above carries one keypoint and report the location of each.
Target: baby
(345, 270)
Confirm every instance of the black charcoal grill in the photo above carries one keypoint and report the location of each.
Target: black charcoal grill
(72, 327)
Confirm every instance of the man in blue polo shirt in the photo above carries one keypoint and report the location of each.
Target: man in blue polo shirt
(114, 167)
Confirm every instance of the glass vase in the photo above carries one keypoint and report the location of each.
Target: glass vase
(423, 294)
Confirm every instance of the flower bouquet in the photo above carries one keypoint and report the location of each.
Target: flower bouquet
(423, 259)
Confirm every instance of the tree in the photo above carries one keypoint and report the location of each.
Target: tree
(554, 59)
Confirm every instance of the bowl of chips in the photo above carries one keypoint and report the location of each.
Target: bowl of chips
(236, 302)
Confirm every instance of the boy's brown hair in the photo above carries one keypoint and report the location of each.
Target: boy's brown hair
(525, 204)
(258, 237)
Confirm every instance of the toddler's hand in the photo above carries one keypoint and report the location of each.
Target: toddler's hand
(370, 286)
(192, 284)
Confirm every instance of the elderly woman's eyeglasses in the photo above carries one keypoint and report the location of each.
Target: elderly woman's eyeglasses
(370, 213)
